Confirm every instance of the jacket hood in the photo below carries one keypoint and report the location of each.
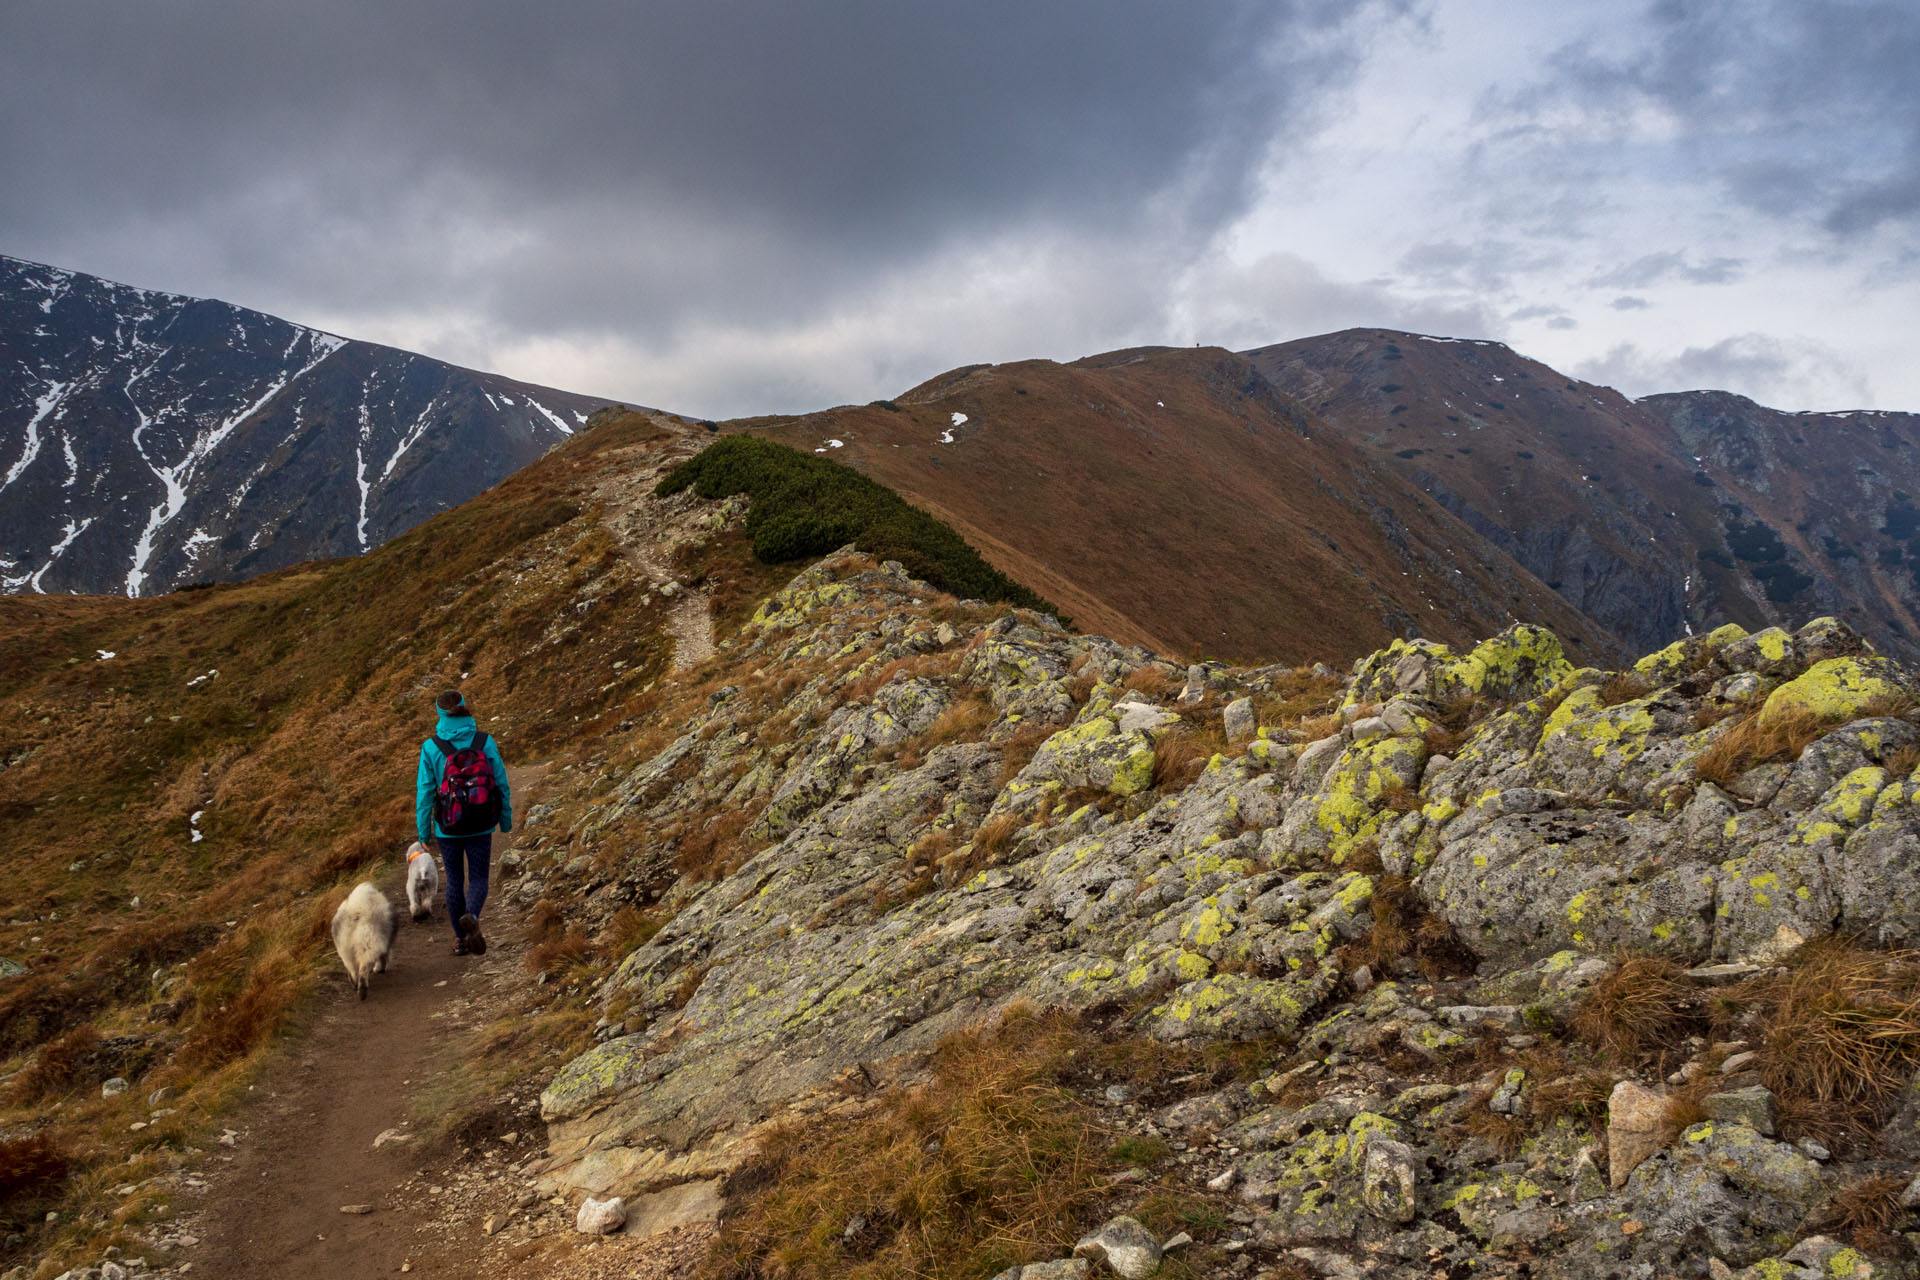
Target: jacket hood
(459, 730)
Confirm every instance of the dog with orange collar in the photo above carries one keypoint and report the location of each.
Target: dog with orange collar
(423, 881)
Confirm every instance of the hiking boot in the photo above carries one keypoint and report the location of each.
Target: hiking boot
(460, 949)
(470, 934)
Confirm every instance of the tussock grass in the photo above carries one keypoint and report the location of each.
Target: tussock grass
(1868, 1205)
(966, 720)
(1902, 763)
(32, 1171)
(715, 847)
(1840, 1036)
(1568, 1089)
(920, 665)
(993, 838)
(1644, 1006)
(1181, 753)
(1020, 748)
(992, 1164)
(1750, 742)
(1404, 929)
(1314, 728)
(1157, 681)
(1624, 686)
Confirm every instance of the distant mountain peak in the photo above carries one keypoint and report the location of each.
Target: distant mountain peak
(149, 440)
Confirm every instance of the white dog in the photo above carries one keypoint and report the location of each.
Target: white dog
(423, 881)
(363, 930)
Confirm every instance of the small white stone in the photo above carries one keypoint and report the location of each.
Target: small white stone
(601, 1217)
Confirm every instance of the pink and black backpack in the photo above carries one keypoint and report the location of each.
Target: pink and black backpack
(468, 801)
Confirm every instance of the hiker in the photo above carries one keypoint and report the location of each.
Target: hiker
(460, 796)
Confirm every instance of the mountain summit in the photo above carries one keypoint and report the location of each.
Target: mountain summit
(150, 440)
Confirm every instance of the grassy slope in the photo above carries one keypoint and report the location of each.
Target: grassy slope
(1171, 498)
(299, 754)
(299, 757)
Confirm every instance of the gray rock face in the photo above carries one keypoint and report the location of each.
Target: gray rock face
(838, 950)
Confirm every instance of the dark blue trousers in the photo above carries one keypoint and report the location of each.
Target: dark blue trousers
(465, 860)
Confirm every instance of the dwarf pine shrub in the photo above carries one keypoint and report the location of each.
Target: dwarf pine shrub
(805, 507)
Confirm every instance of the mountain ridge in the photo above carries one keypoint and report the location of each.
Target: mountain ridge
(150, 440)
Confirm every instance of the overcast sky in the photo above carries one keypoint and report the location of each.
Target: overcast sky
(739, 206)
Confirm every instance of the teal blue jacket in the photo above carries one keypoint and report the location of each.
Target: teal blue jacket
(459, 731)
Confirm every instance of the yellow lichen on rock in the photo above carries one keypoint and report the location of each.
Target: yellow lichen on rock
(1834, 691)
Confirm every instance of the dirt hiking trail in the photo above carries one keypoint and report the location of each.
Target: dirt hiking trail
(303, 1145)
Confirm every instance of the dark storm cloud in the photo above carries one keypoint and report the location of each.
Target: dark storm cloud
(1794, 107)
(586, 168)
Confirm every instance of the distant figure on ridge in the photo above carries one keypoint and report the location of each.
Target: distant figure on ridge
(460, 797)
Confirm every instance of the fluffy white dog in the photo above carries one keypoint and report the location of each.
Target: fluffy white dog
(423, 880)
(363, 930)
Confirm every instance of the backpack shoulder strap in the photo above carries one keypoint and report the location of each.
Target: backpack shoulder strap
(446, 748)
(479, 742)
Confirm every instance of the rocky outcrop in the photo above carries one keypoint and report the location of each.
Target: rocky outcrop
(951, 813)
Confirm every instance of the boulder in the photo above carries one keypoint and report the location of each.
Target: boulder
(1238, 720)
(1636, 1128)
(1123, 1244)
(1390, 1180)
(600, 1217)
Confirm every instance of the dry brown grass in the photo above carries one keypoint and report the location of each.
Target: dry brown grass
(1902, 763)
(1841, 1035)
(1295, 696)
(1624, 686)
(967, 720)
(626, 929)
(1403, 928)
(1399, 797)
(56, 1070)
(714, 847)
(1180, 754)
(1869, 1205)
(1314, 728)
(247, 993)
(1644, 1006)
(992, 1164)
(993, 838)
(1685, 1107)
(1570, 1090)
(689, 984)
(919, 665)
(1156, 681)
(559, 953)
(1504, 1134)
(1752, 741)
(545, 921)
(32, 1169)
(1019, 749)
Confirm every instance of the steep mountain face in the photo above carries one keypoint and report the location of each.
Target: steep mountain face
(1174, 498)
(148, 440)
(1653, 517)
